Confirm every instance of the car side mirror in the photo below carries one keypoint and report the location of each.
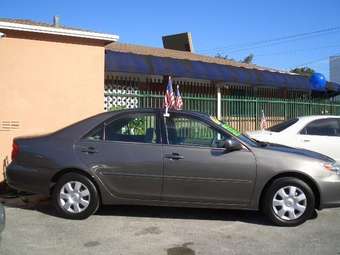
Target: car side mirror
(232, 145)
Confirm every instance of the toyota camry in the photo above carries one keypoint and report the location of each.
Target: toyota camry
(189, 159)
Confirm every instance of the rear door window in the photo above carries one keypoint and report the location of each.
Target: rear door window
(323, 127)
(141, 128)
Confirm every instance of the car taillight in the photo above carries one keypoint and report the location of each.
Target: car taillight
(15, 151)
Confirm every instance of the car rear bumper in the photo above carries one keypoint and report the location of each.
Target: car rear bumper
(330, 192)
(28, 179)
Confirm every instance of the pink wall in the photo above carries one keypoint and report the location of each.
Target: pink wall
(47, 84)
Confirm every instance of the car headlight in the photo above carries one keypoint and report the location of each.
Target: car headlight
(333, 167)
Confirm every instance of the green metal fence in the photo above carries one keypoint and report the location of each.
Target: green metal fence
(243, 113)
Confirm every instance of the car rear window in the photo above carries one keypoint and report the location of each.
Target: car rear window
(283, 125)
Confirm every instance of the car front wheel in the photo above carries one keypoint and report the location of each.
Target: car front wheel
(75, 196)
(289, 202)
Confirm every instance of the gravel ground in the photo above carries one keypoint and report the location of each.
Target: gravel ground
(33, 228)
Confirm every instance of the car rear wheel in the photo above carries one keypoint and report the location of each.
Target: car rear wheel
(289, 202)
(75, 196)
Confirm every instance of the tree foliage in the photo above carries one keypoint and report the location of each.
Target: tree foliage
(248, 59)
(303, 70)
(225, 57)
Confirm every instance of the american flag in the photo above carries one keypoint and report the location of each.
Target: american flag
(178, 100)
(169, 98)
(263, 123)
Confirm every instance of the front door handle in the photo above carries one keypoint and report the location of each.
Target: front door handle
(89, 150)
(174, 156)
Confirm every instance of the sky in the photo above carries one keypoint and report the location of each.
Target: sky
(229, 27)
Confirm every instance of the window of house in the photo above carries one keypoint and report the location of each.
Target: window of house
(182, 130)
(133, 128)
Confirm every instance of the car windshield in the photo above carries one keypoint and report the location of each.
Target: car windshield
(243, 137)
(283, 125)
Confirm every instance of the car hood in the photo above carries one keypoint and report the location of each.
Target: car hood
(296, 151)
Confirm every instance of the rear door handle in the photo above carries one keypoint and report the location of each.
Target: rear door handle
(89, 150)
(174, 156)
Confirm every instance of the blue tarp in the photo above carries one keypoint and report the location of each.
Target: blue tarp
(153, 65)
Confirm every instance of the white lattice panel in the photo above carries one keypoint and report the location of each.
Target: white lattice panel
(120, 96)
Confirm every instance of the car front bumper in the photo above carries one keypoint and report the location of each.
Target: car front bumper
(28, 179)
(330, 192)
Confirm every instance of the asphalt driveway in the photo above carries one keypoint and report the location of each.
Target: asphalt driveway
(33, 228)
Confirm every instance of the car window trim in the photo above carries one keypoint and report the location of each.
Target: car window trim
(245, 149)
(124, 142)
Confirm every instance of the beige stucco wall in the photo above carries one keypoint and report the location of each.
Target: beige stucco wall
(47, 84)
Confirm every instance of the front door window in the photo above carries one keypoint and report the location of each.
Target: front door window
(182, 130)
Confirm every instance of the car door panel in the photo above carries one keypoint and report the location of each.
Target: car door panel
(209, 175)
(321, 136)
(202, 173)
(327, 145)
(127, 169)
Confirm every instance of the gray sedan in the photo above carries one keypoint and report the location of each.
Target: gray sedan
(186, 159)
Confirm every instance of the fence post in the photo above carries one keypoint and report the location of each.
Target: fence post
(219, 103)
(256, 112)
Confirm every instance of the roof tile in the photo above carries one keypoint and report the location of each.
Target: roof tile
(160, 52)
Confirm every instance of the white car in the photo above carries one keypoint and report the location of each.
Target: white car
(315, 133)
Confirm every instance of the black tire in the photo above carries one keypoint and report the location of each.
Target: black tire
(274, 188)
(93, 197)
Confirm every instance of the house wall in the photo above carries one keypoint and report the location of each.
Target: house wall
(334, 69)
(46, 83)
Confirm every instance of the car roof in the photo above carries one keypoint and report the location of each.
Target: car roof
(84, 126)
(305, 120)
(156, 110)
(317, 117)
